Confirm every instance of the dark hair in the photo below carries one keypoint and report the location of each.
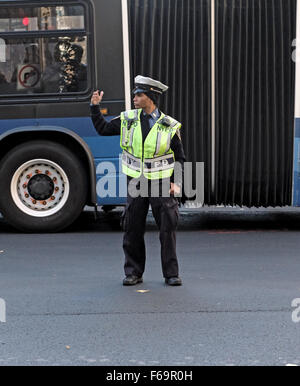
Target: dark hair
(153, 96)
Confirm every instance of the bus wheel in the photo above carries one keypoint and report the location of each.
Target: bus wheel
(43, 187)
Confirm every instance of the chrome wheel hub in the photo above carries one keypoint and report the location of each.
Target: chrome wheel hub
(40, 188)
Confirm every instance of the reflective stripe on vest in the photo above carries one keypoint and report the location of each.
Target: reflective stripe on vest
(158, 143)
(165, 162)
(130, 161)
(168, 142)
(127, 119)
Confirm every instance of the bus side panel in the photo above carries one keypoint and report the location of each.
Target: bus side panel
(109, 53)
(110, 79)
(111, 184)
(72, 112)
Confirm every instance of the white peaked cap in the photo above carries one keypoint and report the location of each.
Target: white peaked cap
(150, 84)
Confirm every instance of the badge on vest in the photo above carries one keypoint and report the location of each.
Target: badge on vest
(163, 129)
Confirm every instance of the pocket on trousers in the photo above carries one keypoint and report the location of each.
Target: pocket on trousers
(171, 213)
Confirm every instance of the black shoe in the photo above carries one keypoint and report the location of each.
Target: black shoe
(173, 281)
(132, 280)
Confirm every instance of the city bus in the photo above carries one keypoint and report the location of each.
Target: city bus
(232, 70)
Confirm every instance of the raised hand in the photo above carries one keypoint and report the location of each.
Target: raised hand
(97, 98)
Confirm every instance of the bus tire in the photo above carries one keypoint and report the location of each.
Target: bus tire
(43, 187)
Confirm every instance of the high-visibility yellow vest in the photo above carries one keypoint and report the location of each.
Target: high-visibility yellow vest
(155, 158)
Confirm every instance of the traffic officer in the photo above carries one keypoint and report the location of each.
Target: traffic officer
(151, 144)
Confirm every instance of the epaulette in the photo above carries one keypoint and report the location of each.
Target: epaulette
(168, 121)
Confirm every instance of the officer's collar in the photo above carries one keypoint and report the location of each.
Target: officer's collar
(155, 114)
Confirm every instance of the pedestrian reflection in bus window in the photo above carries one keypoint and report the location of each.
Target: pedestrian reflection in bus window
(66, 73)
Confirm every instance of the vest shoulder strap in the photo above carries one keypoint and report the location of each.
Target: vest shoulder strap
(130, 115)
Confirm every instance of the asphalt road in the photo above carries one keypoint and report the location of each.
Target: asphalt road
(66, 305)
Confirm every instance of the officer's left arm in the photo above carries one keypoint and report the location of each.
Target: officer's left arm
(177, 148)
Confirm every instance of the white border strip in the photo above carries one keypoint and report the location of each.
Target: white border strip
(2, 311)
(297, 92)
(126, 56)
(296, 58)
(213, 97)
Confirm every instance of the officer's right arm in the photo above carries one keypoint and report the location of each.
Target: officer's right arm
(101, 125)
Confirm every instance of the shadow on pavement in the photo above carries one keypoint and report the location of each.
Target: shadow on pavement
(217, 219)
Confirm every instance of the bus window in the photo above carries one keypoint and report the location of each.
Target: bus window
(41, 18)
(45, 62)
(44, 65)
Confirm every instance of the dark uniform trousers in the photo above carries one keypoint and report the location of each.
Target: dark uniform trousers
(165, 212)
